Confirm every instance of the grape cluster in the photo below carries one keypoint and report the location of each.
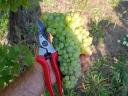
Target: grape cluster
(69, 36)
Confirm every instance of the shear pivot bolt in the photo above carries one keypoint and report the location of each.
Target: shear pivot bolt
(45, 43)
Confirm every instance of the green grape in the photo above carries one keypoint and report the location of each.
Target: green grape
(49, 29)
(50, 17)
(61, 45)
(67, 84)
(70, 72)
(66, 57)
(67, 78)
(62, 69)
(70, 55)
(72, 78)
(68, 61)
(60, 59)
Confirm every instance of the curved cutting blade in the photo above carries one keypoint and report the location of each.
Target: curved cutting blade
(41, 29)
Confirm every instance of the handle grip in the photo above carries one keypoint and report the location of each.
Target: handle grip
(54, 60)
(41, 60)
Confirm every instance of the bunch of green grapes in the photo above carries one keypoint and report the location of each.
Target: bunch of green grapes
(67, 30)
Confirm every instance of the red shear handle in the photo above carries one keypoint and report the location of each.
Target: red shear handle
(41, 60)
(54, 60)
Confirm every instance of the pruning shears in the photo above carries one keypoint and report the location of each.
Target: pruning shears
(47, 51)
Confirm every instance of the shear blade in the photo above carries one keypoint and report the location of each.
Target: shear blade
(41, 29)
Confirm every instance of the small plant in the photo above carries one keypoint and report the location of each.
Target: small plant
(13, 58)
(95, 85)
(124, 41)
(96, 31)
